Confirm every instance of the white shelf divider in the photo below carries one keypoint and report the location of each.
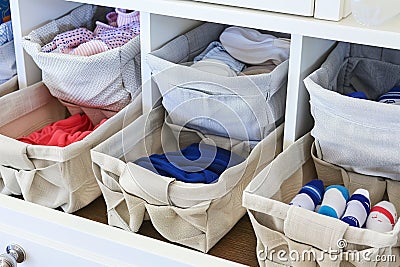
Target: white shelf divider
(306, 55)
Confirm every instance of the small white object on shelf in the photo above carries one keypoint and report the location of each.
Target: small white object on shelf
(374, 12)
(332, 9)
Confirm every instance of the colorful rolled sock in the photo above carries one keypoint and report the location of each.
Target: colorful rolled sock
(309, 196)
(334, 201)
(357, 208)
(382, 217)
(360, 95)
(391, 97)
(125, 18)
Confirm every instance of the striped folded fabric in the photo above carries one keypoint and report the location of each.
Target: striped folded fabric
(391, 97)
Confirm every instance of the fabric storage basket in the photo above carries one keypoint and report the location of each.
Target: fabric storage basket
(252, 105)
(9, 86)
(192, 214)
(8, 67)
(358, 135)
(297, 231)
(108, 80)
(49, 175)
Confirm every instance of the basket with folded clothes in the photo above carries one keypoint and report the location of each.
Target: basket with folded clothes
(45, 149)
(354, 99)
(8, 68)
(217, 73)
(308, 212)
(187, 182)
(90, 58)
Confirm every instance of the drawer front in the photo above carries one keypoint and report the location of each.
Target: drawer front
(297, 7)
(53, 238)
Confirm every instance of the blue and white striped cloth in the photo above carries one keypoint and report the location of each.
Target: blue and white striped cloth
(391, 97)
(6, 32)
(215, 50)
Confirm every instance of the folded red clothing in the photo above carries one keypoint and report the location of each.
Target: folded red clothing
(63, 132)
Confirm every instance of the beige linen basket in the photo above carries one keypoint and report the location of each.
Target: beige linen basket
(9, 86)
(194, 215)
(107, 81)
(48, 175)
(301, 233)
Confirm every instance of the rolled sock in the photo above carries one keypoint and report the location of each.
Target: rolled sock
(253, 47)
(382, 217)
(391, 97)
(112, 18)
(90, 48)
(334, 201)
(214, 66)
(215, 50)
(357, 208)
(125, 18)
(309, 196)
(360, 95)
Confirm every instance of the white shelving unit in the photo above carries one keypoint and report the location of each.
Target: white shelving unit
(161, 21)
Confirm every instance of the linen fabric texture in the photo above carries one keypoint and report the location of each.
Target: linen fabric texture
(194, 215)
(279, 226)
(47, 175)
(9, 86)
(359, 135)
(242, 107)
(108, 81)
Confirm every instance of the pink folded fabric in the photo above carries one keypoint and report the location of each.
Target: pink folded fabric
(62, 133)
(125, 17)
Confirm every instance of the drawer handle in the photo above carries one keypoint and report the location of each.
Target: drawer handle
(15, 254)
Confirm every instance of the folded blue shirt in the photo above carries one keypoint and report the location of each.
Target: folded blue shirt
(197, 163)
(215, 50)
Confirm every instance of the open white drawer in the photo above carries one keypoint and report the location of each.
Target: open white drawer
(321, 9)
(53, 238)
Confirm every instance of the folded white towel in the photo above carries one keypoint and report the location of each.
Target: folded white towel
(253, 47)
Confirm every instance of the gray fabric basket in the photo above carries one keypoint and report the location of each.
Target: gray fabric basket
(8, 67)
(108, 80)
(358, 135)
(242, 107)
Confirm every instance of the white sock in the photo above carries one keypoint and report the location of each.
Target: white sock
(310, 195)
(334, 201)
(357, 209)
(382, 217)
